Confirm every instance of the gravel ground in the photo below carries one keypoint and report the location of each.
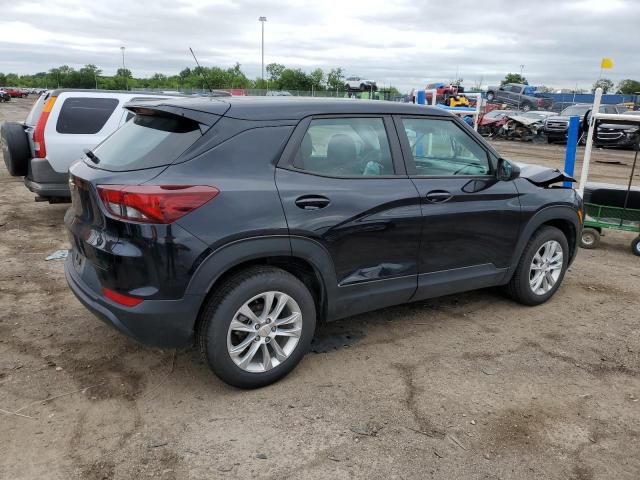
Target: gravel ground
(470, 386)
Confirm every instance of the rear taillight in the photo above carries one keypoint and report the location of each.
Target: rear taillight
(125, 300)
(154, 203)
(38, 133)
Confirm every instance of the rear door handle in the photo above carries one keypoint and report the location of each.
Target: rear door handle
(312, 202)
(438, 196)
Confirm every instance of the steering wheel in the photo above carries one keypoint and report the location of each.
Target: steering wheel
(464, 168)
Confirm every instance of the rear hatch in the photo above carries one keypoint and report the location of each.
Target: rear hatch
(117, 212)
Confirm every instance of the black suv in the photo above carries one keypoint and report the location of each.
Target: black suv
(241, 223)
(556, 127)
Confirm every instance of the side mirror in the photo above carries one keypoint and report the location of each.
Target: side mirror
(507, 171)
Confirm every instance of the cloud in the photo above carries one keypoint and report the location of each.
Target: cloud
(404, 43)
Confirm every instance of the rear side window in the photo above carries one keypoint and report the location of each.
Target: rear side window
(36, 110)
(85, 115)
(145, 142)
(345, 147)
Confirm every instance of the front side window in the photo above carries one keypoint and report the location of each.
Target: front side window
(345, 147)
(442, 148)
(86, 115)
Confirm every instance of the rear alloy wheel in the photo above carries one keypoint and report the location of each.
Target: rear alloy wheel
(490, 96)
(257, 327)
(635, 246)
(526, 107)
(541, 268)
(264, 332)
(590, 238)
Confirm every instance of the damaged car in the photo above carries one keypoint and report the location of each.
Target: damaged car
(523, 126)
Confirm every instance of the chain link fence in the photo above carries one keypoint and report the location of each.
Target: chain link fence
(254, 92)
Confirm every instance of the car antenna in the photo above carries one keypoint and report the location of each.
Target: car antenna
(201, 71)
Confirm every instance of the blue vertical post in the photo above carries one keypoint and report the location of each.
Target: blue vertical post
(570, 152)
(421, 97)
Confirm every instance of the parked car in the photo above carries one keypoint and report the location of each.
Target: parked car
(443, 91)
(4, 96)
(189, 223)
(278, 93)
(523, 97)
(359, 84)
(489, 124)
(612, 134)
(556, 128)
(60, 125)
(15, 92)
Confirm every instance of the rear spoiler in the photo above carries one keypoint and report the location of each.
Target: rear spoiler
(172, 110)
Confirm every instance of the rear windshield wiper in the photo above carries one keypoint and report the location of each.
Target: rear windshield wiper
(92, 156)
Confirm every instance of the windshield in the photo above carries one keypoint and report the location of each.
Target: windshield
(576, 110)
(145, 141)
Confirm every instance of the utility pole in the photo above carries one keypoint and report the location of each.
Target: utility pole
(262, 20)
(124, 71)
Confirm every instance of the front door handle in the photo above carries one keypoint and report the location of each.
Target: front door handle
(438, 196)
(312, 202)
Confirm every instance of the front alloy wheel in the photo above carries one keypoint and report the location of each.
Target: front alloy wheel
(546, 267)
(541, 267)
(264, 332)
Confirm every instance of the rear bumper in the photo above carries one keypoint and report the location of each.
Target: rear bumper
(43, 180)
(161, 323)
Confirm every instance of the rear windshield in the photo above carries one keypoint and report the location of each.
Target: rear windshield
(145, 142)
(86, 115)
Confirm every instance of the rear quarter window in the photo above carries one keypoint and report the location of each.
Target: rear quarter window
(86, 115)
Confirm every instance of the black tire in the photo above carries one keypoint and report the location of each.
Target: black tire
(518, 287)
(526, 106)
(635, 246)
(221, 308)
(490, 96)
(347, 87)
(15, 148)
(363, 87)
(550, 140)
(590, 238)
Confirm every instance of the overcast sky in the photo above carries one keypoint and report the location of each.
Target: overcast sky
(403, 43)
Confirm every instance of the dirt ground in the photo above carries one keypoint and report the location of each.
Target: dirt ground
(470, 386)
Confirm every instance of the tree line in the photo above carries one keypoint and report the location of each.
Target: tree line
(279, 77)
(625, 87)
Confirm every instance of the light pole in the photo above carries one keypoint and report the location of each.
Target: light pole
(262, 20)
(521, 71)
(124, 71)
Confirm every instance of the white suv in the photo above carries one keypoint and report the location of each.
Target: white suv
(61, 124)
(360, 84)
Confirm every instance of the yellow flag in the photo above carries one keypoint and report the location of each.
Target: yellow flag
(606, 63)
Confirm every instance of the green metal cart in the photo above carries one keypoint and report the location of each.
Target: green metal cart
(599, 217)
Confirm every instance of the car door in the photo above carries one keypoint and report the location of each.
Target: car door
(345, 192)
(471, 220)
(503, 93)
